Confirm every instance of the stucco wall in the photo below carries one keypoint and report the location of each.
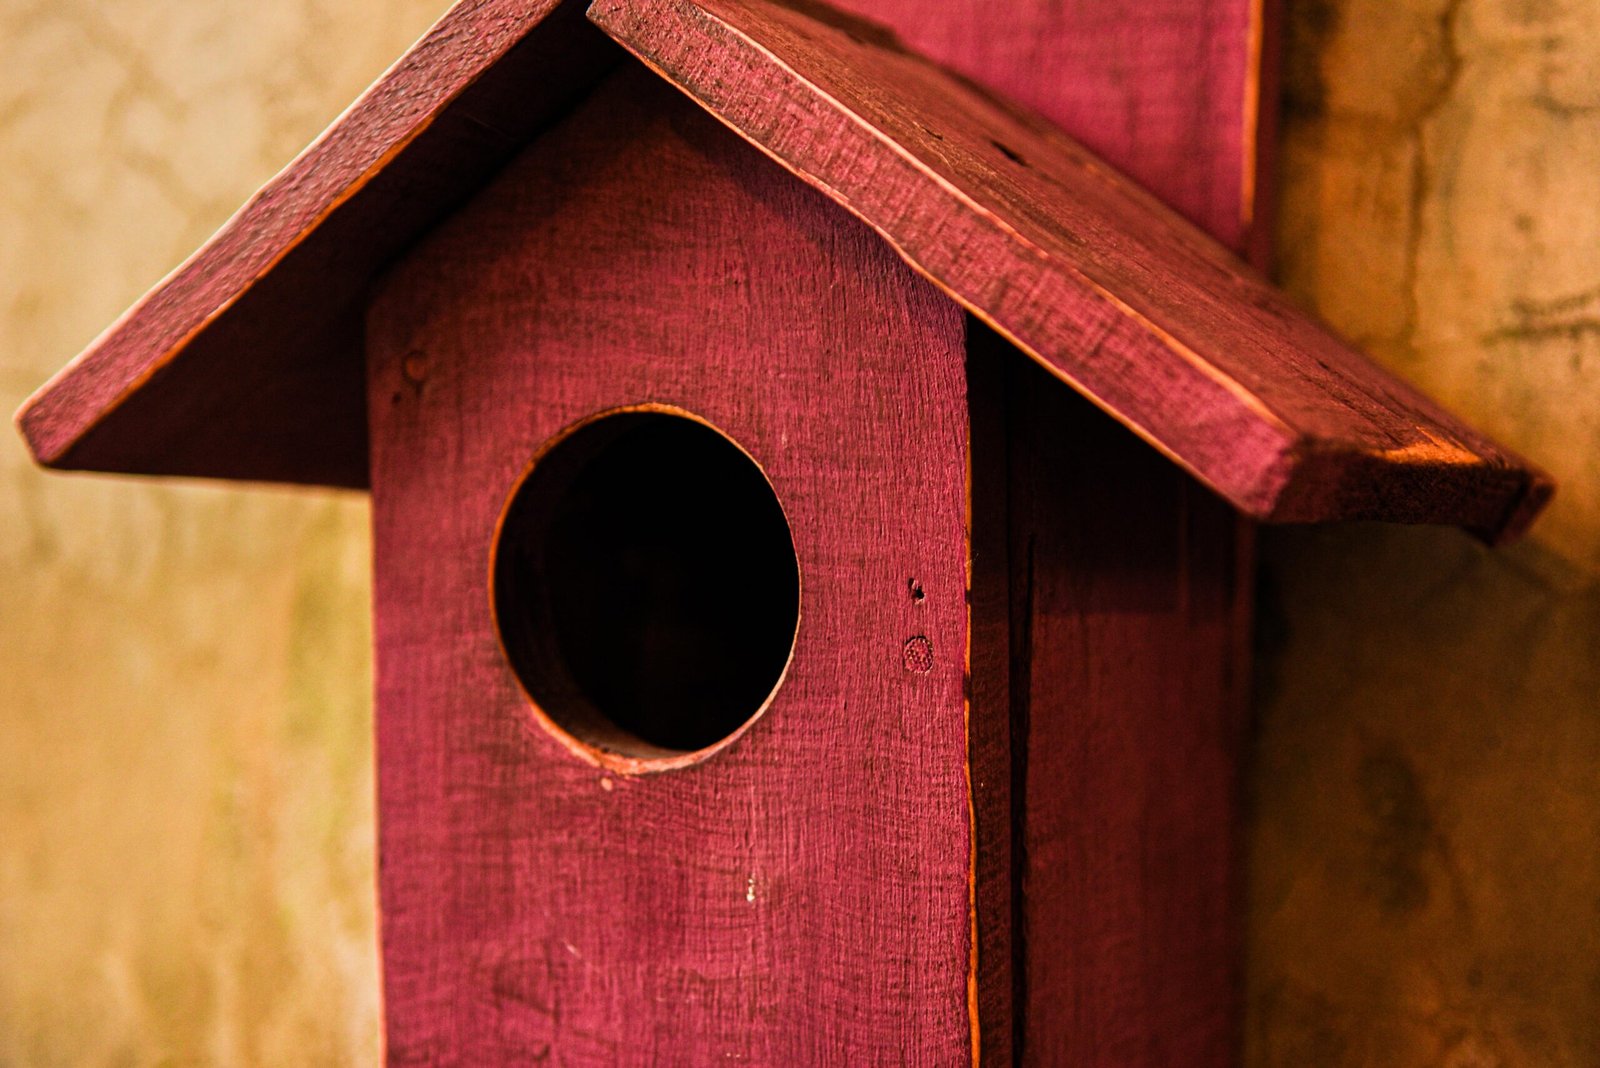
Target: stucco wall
(1426, 877)
(185, 763)
(185, 793)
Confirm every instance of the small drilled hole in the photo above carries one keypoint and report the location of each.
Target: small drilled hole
(1008, 152)
(646, 586)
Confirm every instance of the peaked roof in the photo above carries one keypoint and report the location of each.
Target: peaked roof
(247, 363)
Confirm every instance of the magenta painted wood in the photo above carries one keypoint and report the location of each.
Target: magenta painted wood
(992, 816)
(803, 897)
(247, 361)
(1108, 784)
(1130, 598)
(1089, 274)
(1168, 91)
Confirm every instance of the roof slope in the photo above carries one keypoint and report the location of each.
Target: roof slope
(1106, 287)
(1112, 292)
(246, 362)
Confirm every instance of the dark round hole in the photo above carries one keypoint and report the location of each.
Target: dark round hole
(646, 586)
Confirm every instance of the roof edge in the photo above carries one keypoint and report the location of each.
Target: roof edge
(264, 317)
(246, 362)
(1083, 270)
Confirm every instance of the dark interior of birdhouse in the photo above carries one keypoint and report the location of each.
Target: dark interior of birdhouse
(646, 587)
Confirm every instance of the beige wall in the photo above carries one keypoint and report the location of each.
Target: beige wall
(185, 788)
(185, 763)
(1426, 881)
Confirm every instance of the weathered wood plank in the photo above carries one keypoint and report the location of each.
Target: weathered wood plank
(1129, 594)
(803, 897)
(246, 362)
(1168, 91)
(1110, 290)
(1109, 959)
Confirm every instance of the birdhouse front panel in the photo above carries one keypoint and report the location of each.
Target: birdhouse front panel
(613, 822)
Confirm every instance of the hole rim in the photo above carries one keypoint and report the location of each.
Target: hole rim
(647, 758)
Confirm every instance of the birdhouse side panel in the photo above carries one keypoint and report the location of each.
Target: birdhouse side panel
(803, 895)
(1130, 601)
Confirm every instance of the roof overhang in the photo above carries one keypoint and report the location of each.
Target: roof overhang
(246, 362)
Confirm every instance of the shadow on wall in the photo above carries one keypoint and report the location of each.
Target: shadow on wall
(1426, 880)
(1426, 845)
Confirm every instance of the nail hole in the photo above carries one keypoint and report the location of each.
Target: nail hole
(414, 369)
(1008, 152)
(916, 589)
(646, 587)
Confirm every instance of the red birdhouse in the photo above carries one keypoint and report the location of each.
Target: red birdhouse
(811, 593)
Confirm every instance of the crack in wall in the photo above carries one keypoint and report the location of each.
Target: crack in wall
(1451, 64)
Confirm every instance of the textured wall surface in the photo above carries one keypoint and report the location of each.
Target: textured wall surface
(1426, 877)
(185, 790)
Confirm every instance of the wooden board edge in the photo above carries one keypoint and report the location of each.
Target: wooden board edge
(85, 393)
(991, 744)
(1286, 482)
(1495, 503)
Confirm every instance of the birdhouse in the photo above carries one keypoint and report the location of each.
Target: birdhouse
(811, 502)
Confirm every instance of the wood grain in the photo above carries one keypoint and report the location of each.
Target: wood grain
(1080, 268)
(1110, 290)
(1129, 596)
(802, 897)
(246, 362)
(1107, 869)
(1170, 92)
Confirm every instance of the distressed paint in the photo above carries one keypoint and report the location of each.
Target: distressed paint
(163, 391)
(640, 252)
(1082, 269)
(1087, 273)
(1167, 91)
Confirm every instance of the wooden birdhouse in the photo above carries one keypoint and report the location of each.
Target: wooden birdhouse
(811, 589)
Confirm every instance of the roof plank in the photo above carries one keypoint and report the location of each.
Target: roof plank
(246, 362)
(1106, 287)
(1180, 95)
